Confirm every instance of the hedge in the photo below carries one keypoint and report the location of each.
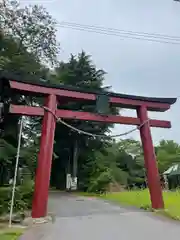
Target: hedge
(22, 200)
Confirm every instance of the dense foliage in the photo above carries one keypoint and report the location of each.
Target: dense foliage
(23, 198)
(29, 48)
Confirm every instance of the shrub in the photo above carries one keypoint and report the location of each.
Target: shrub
(22, 200)
(4, 199)
(26, 190)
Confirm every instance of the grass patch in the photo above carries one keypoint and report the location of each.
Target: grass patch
(10, 236)
(138, 199)
(141, 199)
(10, 233)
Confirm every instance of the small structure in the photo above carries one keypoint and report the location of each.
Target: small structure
(173, 170)
(172, 176)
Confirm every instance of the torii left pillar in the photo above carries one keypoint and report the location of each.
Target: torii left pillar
(43, 172)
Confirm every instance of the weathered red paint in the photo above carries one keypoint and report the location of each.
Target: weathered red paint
(44, 90)
(26, 110)
(121, 102)
(39, 206)
(150, 161)
(68, 114)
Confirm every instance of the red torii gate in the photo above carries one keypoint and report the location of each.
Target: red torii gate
(58, 94)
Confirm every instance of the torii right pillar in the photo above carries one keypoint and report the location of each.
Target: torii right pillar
(153, 178)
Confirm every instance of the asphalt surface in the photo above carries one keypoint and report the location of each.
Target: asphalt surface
(84, 218)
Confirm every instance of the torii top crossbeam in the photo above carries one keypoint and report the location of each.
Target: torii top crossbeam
(68, 93)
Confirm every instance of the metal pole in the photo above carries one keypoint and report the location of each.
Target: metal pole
(15, 172)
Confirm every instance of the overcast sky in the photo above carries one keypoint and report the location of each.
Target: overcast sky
(132, 66)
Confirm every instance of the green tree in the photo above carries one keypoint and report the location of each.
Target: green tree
(79, 71)
(130, 159)
(32, 27)
(28, 42)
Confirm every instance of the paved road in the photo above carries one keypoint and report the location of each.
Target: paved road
(88, 218)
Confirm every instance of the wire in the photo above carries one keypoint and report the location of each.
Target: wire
(15, 172)
(123, 34)
(91, 134)
(122, 31)
(120, 35)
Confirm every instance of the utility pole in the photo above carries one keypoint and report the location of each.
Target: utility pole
(1, 110)
(1, 101)
(75, 160)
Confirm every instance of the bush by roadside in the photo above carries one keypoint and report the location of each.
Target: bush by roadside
(22, 201)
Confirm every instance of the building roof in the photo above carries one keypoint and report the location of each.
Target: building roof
(173, 170)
